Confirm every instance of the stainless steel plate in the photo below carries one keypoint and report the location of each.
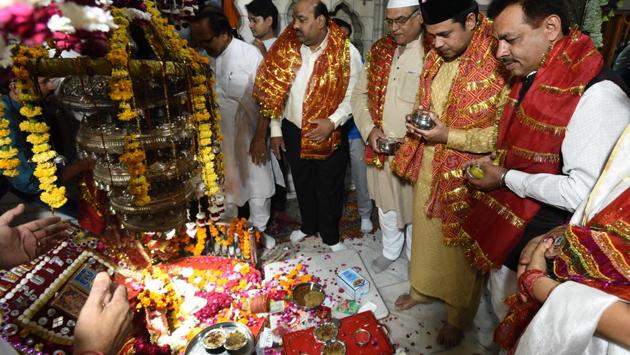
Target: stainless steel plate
(195, 347)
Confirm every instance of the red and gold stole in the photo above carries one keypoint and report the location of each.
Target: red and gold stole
(471, 104)
(379, 62)
(530, 140)
(596, 255)
(326, 88)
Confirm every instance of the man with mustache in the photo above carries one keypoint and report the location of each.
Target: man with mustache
(385, 93)
(304, 86)
(559, 123)
(460, 83)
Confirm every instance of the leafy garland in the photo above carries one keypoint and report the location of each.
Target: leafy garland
(594, 18)
(43, 155)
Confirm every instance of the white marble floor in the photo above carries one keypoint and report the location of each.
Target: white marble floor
(413, 331)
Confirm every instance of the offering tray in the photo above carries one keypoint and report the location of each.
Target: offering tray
(304, 342)
(195, 347)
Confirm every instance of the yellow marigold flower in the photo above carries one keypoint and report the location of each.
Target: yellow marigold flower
(30, 111)
(34, 127)
(41, 148)
(120, 73)
(20, 73)
(55, 198)
(44, 156)
(118, 57)
(205, 134)
(142, 200)
(199, 90)
(138, 180)
(137, 169)
(21, 84)
(4, 132)
(127, 115)
(199, 79)
(4, 123)
(41, 173)
(10, 173)
(201, 116)
(9, 164)
(37, 138)
(27, 97)
(5, 141)
(47, 180)
(205, 141)
(8, 153)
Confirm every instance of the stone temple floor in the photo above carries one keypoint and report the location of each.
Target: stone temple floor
(413, 331)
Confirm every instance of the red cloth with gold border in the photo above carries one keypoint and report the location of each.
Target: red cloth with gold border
(596, 255)
(378, 67)
(530, 140)
(472, 101)
(325, 91)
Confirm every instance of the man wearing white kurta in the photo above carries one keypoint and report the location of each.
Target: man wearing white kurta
(235, 68)
(393, 196)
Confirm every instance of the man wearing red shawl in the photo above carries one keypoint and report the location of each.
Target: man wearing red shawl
(561, 119)
(461, 83)
(585, 296)
(385, 93)
(304, 86)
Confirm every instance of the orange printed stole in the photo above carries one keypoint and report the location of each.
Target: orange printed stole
(471, 104)
(379, 62)
(530, 140)
(326, 88)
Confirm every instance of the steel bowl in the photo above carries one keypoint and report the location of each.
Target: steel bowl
(387, 146)
(421, 119)
(308, 295)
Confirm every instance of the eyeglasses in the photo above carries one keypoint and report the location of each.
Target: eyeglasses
(401, 20)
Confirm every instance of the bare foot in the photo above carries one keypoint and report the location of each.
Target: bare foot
(449, 336)
(405, 301)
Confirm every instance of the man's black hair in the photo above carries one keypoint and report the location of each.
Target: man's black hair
(535, 11)
(321, 10)
(217, 20)
(264, 8)
(462, 16)
(342, 23)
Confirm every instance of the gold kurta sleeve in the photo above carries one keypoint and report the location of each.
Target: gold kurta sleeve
(474, 140)
(359, 103)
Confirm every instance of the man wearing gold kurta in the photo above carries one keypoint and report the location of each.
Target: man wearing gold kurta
(385, 93)
(461, 84)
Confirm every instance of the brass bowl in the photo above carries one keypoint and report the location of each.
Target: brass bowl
(308, 295)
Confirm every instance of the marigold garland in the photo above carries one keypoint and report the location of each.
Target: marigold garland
(43, 154)
(134, 159)
(120, 86)
(8, 161)
(206, 122)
